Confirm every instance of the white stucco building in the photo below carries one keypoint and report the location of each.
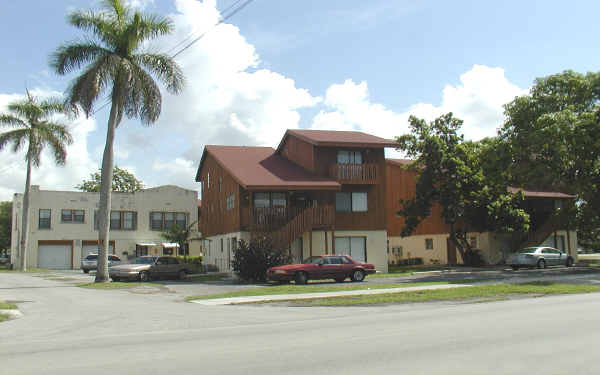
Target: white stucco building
(63, 229)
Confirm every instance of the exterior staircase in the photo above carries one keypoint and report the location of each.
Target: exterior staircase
(535, 238)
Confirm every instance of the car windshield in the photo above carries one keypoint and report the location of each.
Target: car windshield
(144, 260)
(312, 260)
(91, 257)
(528, 250)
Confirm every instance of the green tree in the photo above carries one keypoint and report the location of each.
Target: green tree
(112, 60)
(462, 177)
(123, 181)
(182, 236)
(5, 225)
(32, 120)
(554, 138)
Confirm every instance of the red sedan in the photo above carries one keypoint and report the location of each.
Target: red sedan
(337, 267)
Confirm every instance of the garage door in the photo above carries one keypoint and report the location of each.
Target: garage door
(353, 246)
(93, 249)
(56, 257)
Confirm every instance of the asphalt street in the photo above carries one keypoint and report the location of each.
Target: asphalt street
(69, 330)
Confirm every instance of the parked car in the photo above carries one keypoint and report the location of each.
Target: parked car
(540, 257)
(337, 267)
(4, 259)
(90, 262)
(146, 268)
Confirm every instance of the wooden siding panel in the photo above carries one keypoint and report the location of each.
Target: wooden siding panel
(299, 152)
(401, 185)
(215, 218)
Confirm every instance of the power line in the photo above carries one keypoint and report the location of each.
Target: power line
(221, 20)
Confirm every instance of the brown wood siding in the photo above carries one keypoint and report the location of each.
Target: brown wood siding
(401, 185)
(299, 152)
(374, 218)
(215, 218)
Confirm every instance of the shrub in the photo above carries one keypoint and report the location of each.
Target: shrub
(190, 259)
(251, 260)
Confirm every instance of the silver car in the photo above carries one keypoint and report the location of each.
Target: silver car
(540, 257)
(90, 262)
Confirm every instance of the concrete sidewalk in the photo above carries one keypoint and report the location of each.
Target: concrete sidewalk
(341, 293)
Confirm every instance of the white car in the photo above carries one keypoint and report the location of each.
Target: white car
(90, 262)
(540, 257)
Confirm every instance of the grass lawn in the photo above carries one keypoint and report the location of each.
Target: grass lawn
(296, 289)
(481, 293)
(4, 317)
(395, 271)
(7, 306)
(114, 285)
(29, 270)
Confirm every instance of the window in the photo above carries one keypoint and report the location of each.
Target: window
(44, 222)
(185, 250)
(351, 202)
(263, 200)
(356, 247)
(429, 244)
(220, 183)
(397, 251)
(335, 260)
(166, 220)
(230, 204)
(119, 220)
(72, 216)
(221, 245)
(349, 157)
(168, 251)
(208, 181)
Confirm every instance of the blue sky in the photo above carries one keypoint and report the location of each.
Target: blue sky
(336, 64)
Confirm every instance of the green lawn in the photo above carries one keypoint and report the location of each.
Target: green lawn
(395, 271)
(7, 306)
(4, 317)
(29, 270)
(479, 293)
(114, 285)
(296, 289)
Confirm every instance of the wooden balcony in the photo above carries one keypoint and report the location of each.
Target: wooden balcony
(275, 218)
(354, 173)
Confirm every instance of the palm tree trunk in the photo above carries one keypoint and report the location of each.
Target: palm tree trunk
(105, 196)
(25, 215)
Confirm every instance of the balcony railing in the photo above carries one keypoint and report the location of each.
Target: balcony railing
(354, 173)
(270, 219)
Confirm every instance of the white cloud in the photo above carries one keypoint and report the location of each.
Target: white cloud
(49, 176)
(141, 4)
(178, 172)
(478, 100)
(226, 101)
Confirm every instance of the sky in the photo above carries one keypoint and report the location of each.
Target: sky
(282, 64)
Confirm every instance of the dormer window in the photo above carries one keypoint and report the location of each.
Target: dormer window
(349, 157)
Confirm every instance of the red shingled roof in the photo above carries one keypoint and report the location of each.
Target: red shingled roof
(337, 138)
(540, 194)
(259, 168)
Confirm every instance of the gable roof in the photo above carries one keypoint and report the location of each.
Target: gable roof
(335, 138)
(260, 168)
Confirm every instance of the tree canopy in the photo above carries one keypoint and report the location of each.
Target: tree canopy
(182, 236)
(554, 138)
(123, 181)
(463, 177)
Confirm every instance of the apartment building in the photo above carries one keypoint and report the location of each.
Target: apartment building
(63, 226)
(319, 192)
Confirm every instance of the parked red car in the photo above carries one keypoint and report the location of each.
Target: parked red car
(337, 267)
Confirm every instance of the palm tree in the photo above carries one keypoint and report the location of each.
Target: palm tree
(112, 59)
(32, 120)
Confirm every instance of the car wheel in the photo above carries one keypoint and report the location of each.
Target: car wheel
(569, 262)
(357, 276)
(144, 276)
(301, 278)
(181, 275)
(115, 279)
(516, 268)
(283, 282)
(86, 271)
(541, 263)
(340, 279)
